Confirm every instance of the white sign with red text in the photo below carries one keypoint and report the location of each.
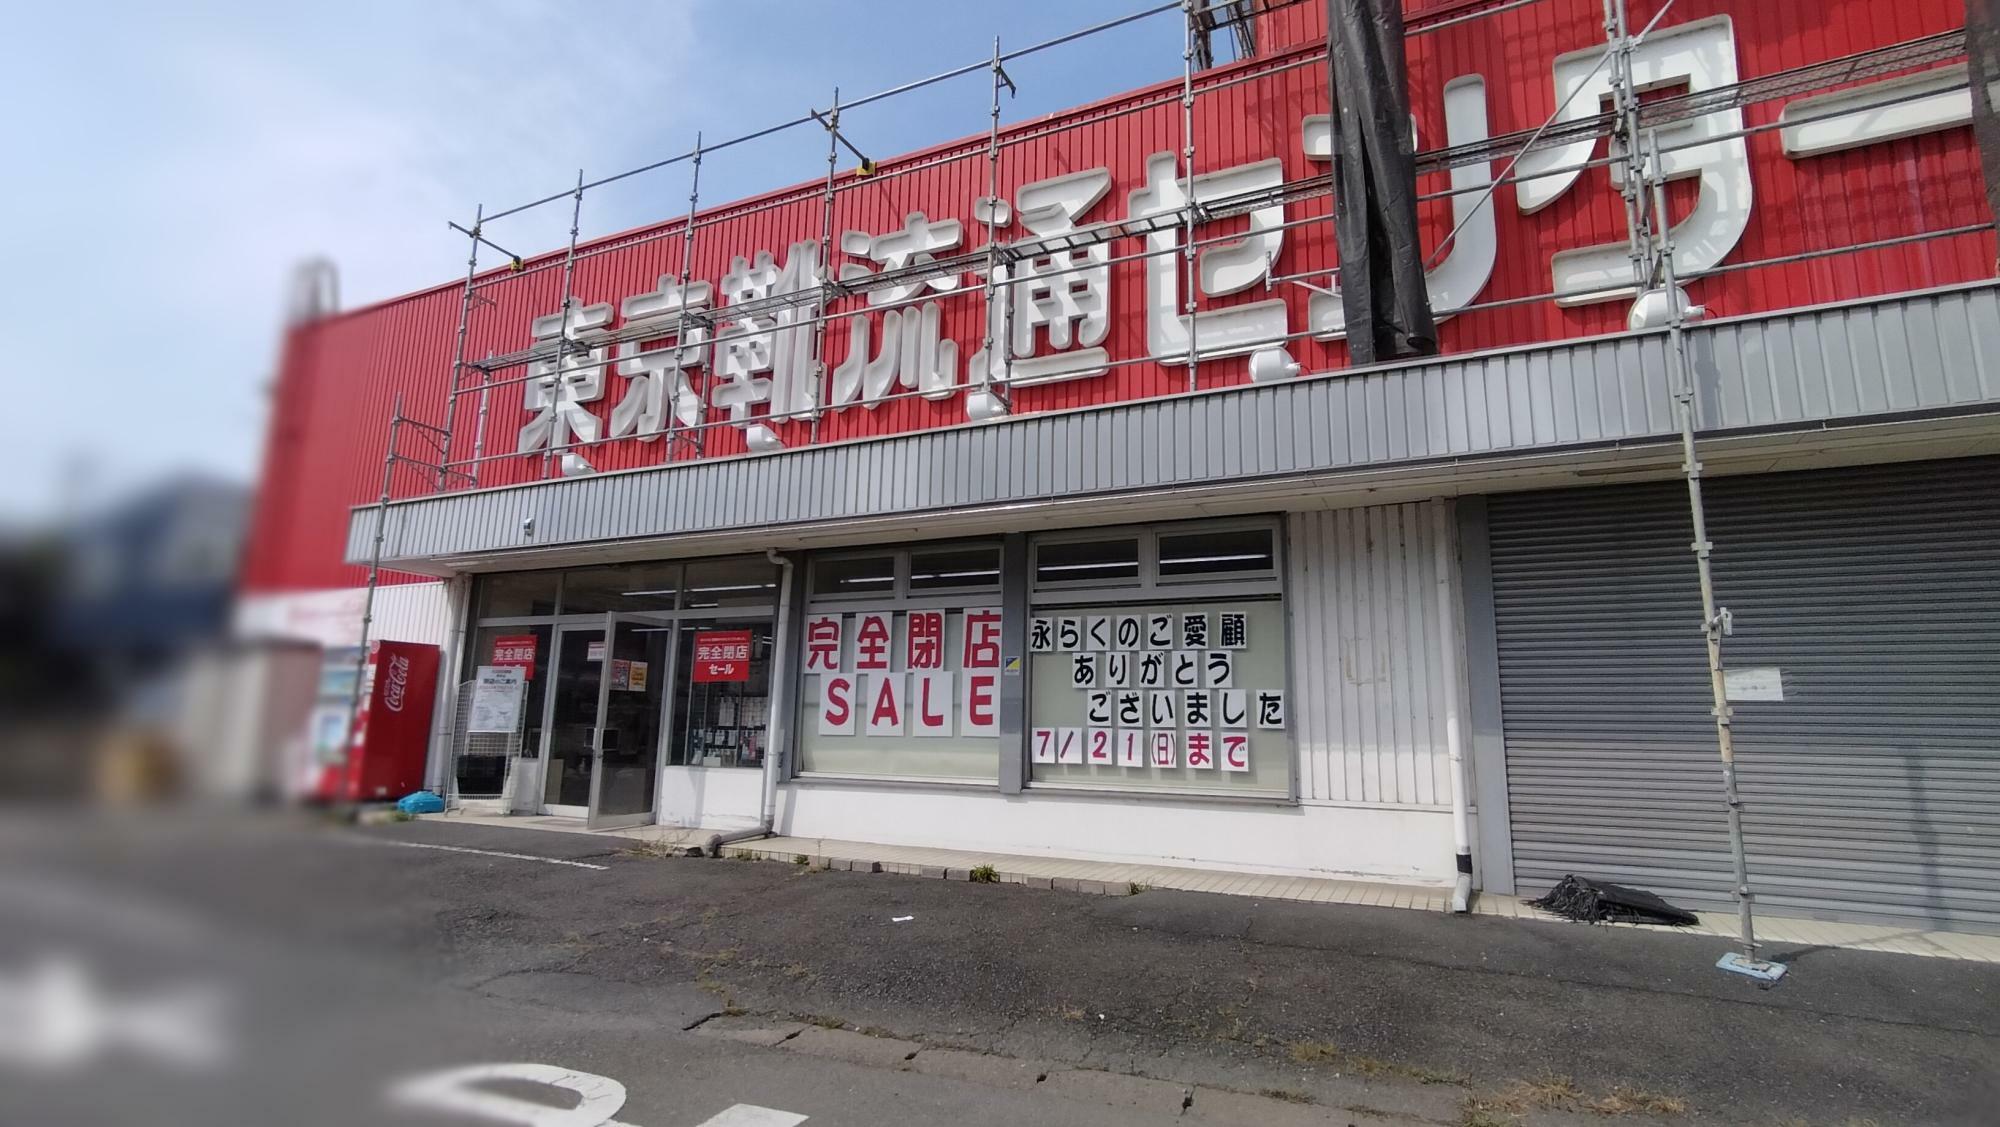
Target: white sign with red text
(888, 674)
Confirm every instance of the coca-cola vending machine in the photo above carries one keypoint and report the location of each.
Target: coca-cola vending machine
(384, 757)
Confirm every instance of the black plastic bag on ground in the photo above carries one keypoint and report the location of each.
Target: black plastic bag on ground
(1591, 901)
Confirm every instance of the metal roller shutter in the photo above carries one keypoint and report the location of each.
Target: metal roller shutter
(1872, 791)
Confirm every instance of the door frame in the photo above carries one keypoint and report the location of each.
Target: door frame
(557, 631)
(594, 818)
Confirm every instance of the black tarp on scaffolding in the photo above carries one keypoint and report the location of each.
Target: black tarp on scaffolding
(1982, 56)
(1375, 184)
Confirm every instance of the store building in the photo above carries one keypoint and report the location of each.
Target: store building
(1101, 549)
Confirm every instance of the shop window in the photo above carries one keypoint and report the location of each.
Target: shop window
(1235, 551)
(955, 569)
(910, 693)
(482, 757)
(722, 698)
(1166, 696)
(519, 594)
(901, 664)
(854, 576)
(621, 587)
(1076, 562)
(748, 581)
(1172, 679)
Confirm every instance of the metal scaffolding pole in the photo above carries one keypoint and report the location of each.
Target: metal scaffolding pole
(1625, 109)
(1002, 390)
(680, 320)
(562, 337)
(1187, 184)
(479, 429)
(458, 349)
(825, 265)
(374, 577)
(1715, 620)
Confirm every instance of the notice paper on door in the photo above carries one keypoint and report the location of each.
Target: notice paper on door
(1763, 682)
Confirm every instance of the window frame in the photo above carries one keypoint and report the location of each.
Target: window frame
(1149, 585)
(899, 596)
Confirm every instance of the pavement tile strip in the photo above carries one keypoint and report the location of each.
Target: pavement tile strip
(1114, 879)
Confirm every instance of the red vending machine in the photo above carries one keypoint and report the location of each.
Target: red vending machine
(385, 755)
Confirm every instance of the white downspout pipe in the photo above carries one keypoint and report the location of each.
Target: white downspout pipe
(1449, 647)
(780, 728)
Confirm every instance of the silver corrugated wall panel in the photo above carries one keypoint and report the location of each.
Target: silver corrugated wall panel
(1367, 668)
(412, 612)
(1925, 351)
(1871, 791)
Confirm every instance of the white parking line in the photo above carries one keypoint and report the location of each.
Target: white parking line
(598, 1097)
(750, 1115)
(481, 852)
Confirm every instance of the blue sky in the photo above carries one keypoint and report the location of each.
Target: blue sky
(176, 160)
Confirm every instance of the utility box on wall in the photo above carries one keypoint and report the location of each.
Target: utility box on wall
(387, 748)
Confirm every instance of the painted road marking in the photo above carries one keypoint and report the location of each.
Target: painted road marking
(59, 1015)
(750, 1115)
(459, 1091)
(483, 852)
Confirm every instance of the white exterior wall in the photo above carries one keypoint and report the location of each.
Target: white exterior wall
(331, 618)
(1367, 667)
(1374, 778)
(1408, 846)
(404, 612)
(714, 798)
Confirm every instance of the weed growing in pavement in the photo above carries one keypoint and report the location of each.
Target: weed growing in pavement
(1326, 1052)
(1314, 1052)
(1560, 1093)
(825, 1022)
(1236, 1029)
(985, 874)
(800, 859)
(875, 1031)
(1289, 1095)
(1135, 888)
(1478, 1113)
(705, 981)
(1625, 1100)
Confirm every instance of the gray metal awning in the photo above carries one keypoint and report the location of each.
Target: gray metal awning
(1925, 365)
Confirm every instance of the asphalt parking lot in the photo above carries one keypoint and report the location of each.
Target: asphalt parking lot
(341, 962)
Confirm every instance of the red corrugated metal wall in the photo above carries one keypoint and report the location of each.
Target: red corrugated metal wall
(341, 376)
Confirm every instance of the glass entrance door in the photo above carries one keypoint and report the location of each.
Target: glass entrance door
(635, 677)
(570, 760)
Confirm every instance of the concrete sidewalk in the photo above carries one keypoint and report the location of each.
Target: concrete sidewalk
(1118, 878)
